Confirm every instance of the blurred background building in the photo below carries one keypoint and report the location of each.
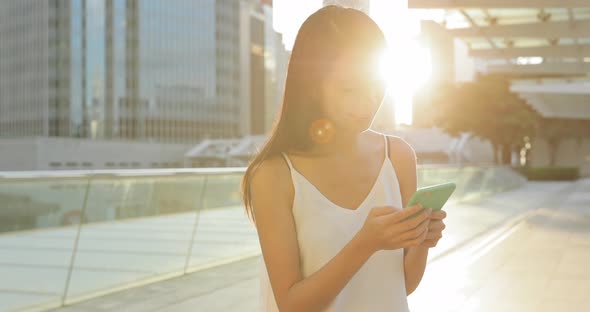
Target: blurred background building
(540, 49)
(138, 71)
(185, 75)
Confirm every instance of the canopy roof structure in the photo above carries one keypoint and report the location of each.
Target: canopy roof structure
(545, 40)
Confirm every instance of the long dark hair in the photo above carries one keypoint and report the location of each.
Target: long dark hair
(323, 37)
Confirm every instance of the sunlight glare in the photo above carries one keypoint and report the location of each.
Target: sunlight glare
(288, 15)
(406, 65)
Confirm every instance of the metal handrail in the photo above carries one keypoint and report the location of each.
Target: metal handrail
(42, 175)
(115, 173)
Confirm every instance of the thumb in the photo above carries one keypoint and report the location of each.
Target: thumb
(382, 210)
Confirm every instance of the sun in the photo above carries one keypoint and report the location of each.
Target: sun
(405, 70)
(406, 64)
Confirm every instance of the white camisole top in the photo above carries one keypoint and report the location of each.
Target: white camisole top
(324, 228)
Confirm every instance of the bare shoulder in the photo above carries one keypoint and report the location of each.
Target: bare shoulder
(271, 182)
(403, 159)
(272, 201)
(401, 150)
(273, 171)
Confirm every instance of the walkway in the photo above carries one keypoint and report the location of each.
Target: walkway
(524, 250)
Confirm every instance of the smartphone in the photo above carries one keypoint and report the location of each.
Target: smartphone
(433, 197)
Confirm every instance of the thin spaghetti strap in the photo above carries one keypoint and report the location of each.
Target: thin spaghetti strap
(292, 172)
(386, 147)
(288, 161)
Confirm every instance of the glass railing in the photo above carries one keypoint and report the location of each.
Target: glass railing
(473, 183)
(69, 236)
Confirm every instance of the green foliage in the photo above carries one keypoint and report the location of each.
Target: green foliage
(550, 173)
(488, 109)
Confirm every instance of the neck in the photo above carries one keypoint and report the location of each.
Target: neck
(343, 143)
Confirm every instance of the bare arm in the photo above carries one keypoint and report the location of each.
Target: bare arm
(404, 159)
(272, 197)
(385, 228)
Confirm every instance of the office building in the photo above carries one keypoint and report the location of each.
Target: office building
(174, 71)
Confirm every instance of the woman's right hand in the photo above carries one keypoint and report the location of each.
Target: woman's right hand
(387, 228)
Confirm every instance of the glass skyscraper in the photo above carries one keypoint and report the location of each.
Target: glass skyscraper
(165, 71)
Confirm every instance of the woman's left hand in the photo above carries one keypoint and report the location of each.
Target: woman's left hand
(435, 228)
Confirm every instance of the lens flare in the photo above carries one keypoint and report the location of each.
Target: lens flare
(322, 131)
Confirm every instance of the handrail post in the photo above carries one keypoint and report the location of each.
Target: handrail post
(199, 204)
(76, 242)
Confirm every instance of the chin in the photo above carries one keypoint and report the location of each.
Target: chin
(361, 127)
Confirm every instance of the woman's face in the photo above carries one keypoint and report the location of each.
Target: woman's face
(352, 93)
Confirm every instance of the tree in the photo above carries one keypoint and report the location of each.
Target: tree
(488, 109)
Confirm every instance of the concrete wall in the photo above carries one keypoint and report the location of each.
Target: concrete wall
(70, 154)
(18, 154)
(570, 153)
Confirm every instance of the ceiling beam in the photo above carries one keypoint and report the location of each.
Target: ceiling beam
(496, 4)
(559, 106)
(558, 100)
(549, 30)
(573, 69)
(563, 88)
(479, 30)
(560, 51)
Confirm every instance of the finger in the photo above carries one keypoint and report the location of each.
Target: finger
(436, 226)
(383, 210)
(406, 228)
(438, 215)
(416, 241)
(416, 221)
(409, 224)
(434, 235)
(414, 233)
(429, 243)
(403, 213)
(411, 218)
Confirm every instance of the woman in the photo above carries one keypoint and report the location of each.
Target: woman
(326, 194)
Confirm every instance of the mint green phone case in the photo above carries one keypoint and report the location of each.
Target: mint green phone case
(433, 197)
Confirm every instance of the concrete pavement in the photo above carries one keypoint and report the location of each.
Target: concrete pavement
(523, 250)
